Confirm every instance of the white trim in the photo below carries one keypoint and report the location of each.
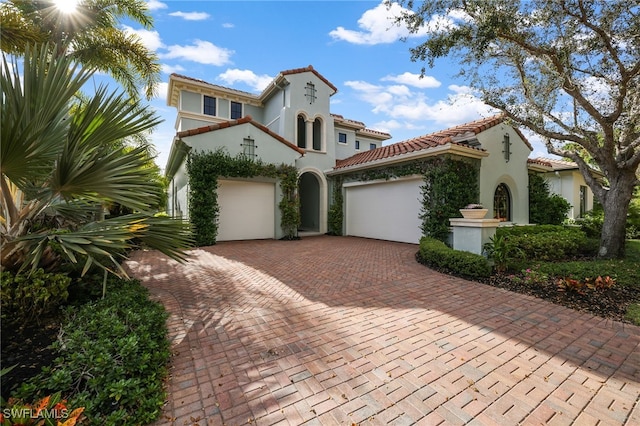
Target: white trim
(377, 181)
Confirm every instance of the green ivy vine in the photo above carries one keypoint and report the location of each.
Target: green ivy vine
(335, 215)
(204, 169)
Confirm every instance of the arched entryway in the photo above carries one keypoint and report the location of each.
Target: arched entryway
(502, 203)
(309, 193)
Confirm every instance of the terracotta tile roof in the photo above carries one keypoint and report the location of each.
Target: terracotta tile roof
(360, 127)
(309, 69)
(425, 142)
(244, 120)
(539, 161)
(557, 164)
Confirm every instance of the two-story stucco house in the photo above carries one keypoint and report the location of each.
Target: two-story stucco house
(290, 122)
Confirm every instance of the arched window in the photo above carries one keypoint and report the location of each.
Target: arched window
(502, 203)
(317, 134)
(302, 132)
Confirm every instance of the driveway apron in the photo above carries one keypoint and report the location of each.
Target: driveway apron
(341, 330)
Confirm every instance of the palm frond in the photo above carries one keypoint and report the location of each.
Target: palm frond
(106, 242)
(35, 112)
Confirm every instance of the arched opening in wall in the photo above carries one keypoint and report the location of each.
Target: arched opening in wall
(502, 203)
(302, 132)
(309, 193)
(317, 134)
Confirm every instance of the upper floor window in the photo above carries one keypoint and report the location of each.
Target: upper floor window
(236, 110)
(310, 92)
(357, 144)
(317, 135)
(372, 146)
(302, 132)
(342, 137)
(209, 105)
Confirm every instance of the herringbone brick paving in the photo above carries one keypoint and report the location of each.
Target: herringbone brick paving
(340, 330)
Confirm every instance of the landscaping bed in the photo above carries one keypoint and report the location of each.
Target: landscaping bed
(609, 303)
(551, 263)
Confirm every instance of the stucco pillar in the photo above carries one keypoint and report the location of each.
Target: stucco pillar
(472, 234)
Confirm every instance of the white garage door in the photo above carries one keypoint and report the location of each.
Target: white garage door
(247, 210)
(384, 210)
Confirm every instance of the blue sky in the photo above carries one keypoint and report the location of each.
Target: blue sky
(354, 44)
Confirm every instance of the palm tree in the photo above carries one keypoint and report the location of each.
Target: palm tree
(90, 35)
(60, 163)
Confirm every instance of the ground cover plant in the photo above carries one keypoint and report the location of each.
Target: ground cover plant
(110, 358)
(559, 264)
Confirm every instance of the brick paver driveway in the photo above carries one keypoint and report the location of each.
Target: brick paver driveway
(339, 330)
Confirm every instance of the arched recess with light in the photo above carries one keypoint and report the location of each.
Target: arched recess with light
(502, 207)
(312, 193)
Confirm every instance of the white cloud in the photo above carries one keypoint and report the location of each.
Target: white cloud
(414, 80)
(256, 82)
(151, 39)
(202, 52)
(191, 16)
(155, 5)
(404, 109)
(169, 69)
(162, 91)
(378, 26)
(228, 25)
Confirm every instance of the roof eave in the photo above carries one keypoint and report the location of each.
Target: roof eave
(179, 151)
(415, 155)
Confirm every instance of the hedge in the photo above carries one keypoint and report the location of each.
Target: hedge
(438, 255)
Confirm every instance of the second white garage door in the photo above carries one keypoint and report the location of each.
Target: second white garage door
(247, 210)
(386, 210)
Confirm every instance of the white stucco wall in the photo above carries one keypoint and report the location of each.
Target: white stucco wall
(268, 149)
(566, 183)
(495, 170)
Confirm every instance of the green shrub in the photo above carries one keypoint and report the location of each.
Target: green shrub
(544, 207)
(335, 215)
(436, 254)
(112, 358)
(503, 253)
(25, 297)
(548, 242)
(592, 221)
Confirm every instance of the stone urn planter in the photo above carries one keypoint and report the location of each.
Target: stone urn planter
(474, 213)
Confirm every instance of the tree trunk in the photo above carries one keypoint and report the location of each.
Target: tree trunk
(616, 206)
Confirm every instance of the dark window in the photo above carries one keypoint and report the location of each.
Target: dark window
(357, 144)
(249, 147)
(302, 132)
(317, 134)
(209, 107)
(342, 137)
(507, 148)
(236, 110)
(502, 203)
(372, 146)
(583, 200)
(311, 92)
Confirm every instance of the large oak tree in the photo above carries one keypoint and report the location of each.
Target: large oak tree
(569, 70)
